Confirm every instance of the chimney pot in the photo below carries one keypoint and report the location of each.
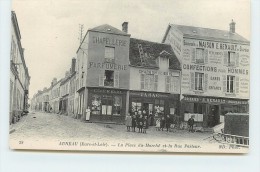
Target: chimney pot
(232, 27)
(125, 27)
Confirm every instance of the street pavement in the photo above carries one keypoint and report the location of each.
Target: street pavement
(39, 125)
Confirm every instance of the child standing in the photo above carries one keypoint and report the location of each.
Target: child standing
(145, 123)
(128, 122)
(140, 124)
(157, 124)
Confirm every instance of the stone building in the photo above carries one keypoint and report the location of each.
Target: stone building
(19, 75)
(215, 71)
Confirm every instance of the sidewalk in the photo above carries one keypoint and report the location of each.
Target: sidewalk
(19, 124)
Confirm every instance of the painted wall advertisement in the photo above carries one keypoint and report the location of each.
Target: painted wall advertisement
(222, 68)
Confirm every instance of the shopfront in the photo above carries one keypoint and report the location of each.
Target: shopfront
(153, 104)
(107, 105)
(211, 108)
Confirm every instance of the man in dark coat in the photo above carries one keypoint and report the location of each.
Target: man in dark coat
(168, 122)
(191, 123)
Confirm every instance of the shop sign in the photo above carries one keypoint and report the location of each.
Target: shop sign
(149, 95)
(214, 100)
(108, 66)
(109, 41)
(155, 72)
(107, 91)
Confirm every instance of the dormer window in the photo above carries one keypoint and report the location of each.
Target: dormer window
(163, 60)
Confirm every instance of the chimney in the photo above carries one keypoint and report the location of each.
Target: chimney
(232, 27)
(73, 65)
(125, 27)
(67, 74)
(54, 81)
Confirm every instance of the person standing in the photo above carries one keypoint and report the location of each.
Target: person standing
(88, 111)
(133, 123)
(191, 123)
(162, 123)
(157, 124)
(145, 124)
(140, 124)
(128, 122)
(168, 123)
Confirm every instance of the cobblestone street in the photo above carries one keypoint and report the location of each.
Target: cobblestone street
(39, 127)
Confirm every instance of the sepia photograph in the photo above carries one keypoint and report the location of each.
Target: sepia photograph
(130, 76)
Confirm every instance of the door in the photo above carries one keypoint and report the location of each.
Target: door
(213, 119)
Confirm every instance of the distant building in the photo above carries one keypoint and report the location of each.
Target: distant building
(215, 70)
(19, 75)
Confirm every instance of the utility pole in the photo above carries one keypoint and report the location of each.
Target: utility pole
(81, 30)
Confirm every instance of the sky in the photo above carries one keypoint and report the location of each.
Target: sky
(50, 28)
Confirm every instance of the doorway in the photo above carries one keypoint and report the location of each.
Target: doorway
(213, 118)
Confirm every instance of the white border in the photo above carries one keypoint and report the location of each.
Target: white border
(13, 161)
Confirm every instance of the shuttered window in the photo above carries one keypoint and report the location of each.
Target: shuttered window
(149, 82)
(199, 81)
(171, 84)
(230, 84)
(199, 55)
(231, 59)
(116, 79)
(110, 54)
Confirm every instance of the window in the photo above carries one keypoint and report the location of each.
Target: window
(117, 104)
(109, 79)
(159, 107)
(95, 104)
(149, 82)
(171, 84)
(109, 54)
(107, 105)
(231, 59)
(136, 106)
(199, 81)
(230, 83)
(199, 55)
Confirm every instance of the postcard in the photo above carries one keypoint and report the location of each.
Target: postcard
(130, 76)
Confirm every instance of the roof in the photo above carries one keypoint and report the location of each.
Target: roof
(105, 28)
(207, 33)
(152, 50)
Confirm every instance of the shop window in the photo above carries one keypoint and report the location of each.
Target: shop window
(110, 54)
(199, 81)
(198, 108)
(230, 83)
(107, 103)
(136, 106)
(95, 104)
(149, 82)
(117, 105)
(159, 107)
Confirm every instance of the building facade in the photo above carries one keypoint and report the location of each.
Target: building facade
(19, 75)
(215, 71)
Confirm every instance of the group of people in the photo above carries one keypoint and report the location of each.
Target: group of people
(141, 122)
(136, 121)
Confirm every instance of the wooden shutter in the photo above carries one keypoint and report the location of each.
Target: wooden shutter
(192, 81)
(237, 84)
(237, 59)
(206, 56)
(101, 80)
(193, 55)
(225, 58)
(116, 79)
(155, 82)
(224, 78)
(142, 81)
(167, 83)
(205, 82)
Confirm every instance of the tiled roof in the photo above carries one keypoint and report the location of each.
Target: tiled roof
(207, 33)
(151, 50)
(105, 28)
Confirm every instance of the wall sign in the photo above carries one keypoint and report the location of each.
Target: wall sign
(109, 41)
(214, 100)
(148, 94)
(109, 66)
